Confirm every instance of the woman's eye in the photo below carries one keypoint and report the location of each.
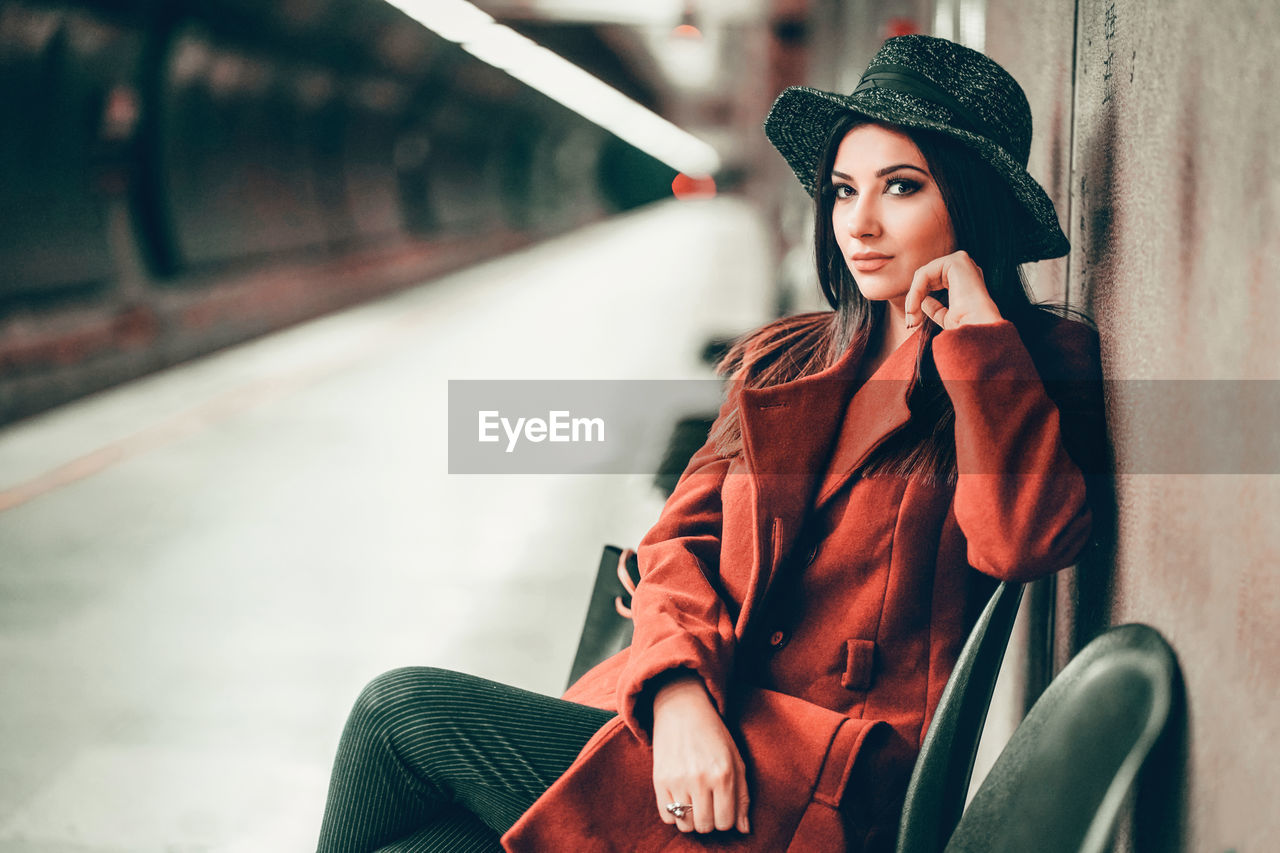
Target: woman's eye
(844, 191)
(904, 186)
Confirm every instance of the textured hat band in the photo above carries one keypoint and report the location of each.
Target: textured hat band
(899, 78)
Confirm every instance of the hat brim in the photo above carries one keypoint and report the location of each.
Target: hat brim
(801, 117)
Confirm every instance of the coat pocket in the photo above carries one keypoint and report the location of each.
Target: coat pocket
(860, 664)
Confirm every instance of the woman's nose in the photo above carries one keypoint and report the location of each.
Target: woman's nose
(863, 218)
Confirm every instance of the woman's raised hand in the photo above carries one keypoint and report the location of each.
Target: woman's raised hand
(968, 301)
(695, 760)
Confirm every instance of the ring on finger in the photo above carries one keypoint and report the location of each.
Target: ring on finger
(678, 810)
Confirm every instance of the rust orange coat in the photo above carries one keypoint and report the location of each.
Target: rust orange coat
(891, 573)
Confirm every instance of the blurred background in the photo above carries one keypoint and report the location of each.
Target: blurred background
(244, 247)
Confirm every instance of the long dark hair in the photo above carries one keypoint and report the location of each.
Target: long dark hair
(984, 217)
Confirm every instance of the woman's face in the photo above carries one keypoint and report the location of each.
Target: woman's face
(888, 215)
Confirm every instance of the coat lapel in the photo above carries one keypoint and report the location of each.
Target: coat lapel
(787, 436)
(876, 411)
(814, 432)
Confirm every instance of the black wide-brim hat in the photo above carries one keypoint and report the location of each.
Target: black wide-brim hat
(924, 82)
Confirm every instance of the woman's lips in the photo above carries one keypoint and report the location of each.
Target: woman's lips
(869, 264)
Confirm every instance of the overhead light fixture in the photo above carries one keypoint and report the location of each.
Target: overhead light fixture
(557, 78)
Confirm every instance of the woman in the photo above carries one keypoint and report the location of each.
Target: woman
(807, 588)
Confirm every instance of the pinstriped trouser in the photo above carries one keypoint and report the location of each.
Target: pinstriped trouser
(433, 760)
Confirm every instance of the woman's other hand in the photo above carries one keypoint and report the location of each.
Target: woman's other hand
(968, 301)
(695, 760)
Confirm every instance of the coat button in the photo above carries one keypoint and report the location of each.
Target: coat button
(778, 639)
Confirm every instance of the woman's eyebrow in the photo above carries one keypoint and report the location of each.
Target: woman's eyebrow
(880, 174)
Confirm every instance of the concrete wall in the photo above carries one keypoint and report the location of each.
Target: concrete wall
(1171, 205)
(1175, 195)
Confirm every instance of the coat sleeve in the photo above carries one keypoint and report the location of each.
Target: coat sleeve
(681, 621)
(1027, 431)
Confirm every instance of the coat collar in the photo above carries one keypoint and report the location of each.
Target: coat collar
(790, 428)
(787, 428)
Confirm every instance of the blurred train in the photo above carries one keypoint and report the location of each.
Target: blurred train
(179, 175)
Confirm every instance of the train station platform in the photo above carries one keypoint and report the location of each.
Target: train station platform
(203, 567)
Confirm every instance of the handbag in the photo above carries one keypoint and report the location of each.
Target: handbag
(608, 627)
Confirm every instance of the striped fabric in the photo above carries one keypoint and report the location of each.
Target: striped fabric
(433, 760)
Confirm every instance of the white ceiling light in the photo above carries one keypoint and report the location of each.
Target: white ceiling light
(483, 37)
